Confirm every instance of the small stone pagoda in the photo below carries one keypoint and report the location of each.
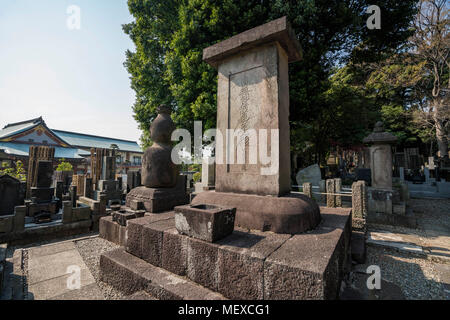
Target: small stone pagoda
(162, 186)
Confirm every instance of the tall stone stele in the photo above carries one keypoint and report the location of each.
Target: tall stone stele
(163, 187)
(253, 94)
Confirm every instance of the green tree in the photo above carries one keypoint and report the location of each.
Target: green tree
(170, 36)
(64, 166)
(18, 172)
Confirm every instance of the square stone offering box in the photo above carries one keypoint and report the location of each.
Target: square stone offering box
(205, 222)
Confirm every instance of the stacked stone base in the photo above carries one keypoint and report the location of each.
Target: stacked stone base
(245, 265)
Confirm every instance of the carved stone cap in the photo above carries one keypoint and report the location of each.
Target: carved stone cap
(162, 108)
(379, 136)
(276, 30)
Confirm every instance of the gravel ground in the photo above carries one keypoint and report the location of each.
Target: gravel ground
(432, 213)
(416, 277)
(90, 250)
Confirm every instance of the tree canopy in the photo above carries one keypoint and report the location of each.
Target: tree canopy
(326, 103)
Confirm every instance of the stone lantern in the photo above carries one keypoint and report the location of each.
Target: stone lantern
(381, 156)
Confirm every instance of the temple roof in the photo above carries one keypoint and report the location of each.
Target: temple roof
(13, 139)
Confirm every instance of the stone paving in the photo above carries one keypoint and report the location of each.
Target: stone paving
(49, 274)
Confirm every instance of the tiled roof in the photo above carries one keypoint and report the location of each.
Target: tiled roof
(76, 140)
(22, 149)
(15, 128)
(90, 141)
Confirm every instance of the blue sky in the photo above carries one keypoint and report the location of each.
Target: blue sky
(75, 79)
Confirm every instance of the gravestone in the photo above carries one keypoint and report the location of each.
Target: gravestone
(364, 174)
(44, 174)
(108, 168)
(253, 101)
(9, 194)
(309, 174)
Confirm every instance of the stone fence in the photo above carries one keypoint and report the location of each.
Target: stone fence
(331, 192)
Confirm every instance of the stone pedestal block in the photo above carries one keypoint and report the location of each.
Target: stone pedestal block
(293, 213)
(112, 231)
(152, 241)
(156, 200)
(245, 265)
(380, 201)
(135, 231)
(205, 222)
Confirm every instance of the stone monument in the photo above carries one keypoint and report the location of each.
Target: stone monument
(253, 94)
(103, 164)
(381, 156)
(196, 251)
(385, 204)
(162, 187)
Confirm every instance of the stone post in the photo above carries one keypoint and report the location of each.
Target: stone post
(73, 196)
(426, 172)
(322, 189)
(307, 189)
(402, 173)
(331, 199)
(338, 189)
(358, 199)
(19, 218)
(67, 212)
(88, 187)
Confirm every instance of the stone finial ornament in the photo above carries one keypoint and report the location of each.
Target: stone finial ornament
(379, 136)
(158, 170)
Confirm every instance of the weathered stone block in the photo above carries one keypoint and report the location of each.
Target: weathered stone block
(380, 201)
(135, 231)
(67, 216)
(312, 265)
(136, 205)
(205, 222)
(19, 218)
(111, 231)
(152, 240)
(399, 208)
(202, 265)
(358, 247)
(174, 252)
(81, 213)
(6, 223)
(241, 259)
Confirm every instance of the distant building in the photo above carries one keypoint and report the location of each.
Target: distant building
(16, 139)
